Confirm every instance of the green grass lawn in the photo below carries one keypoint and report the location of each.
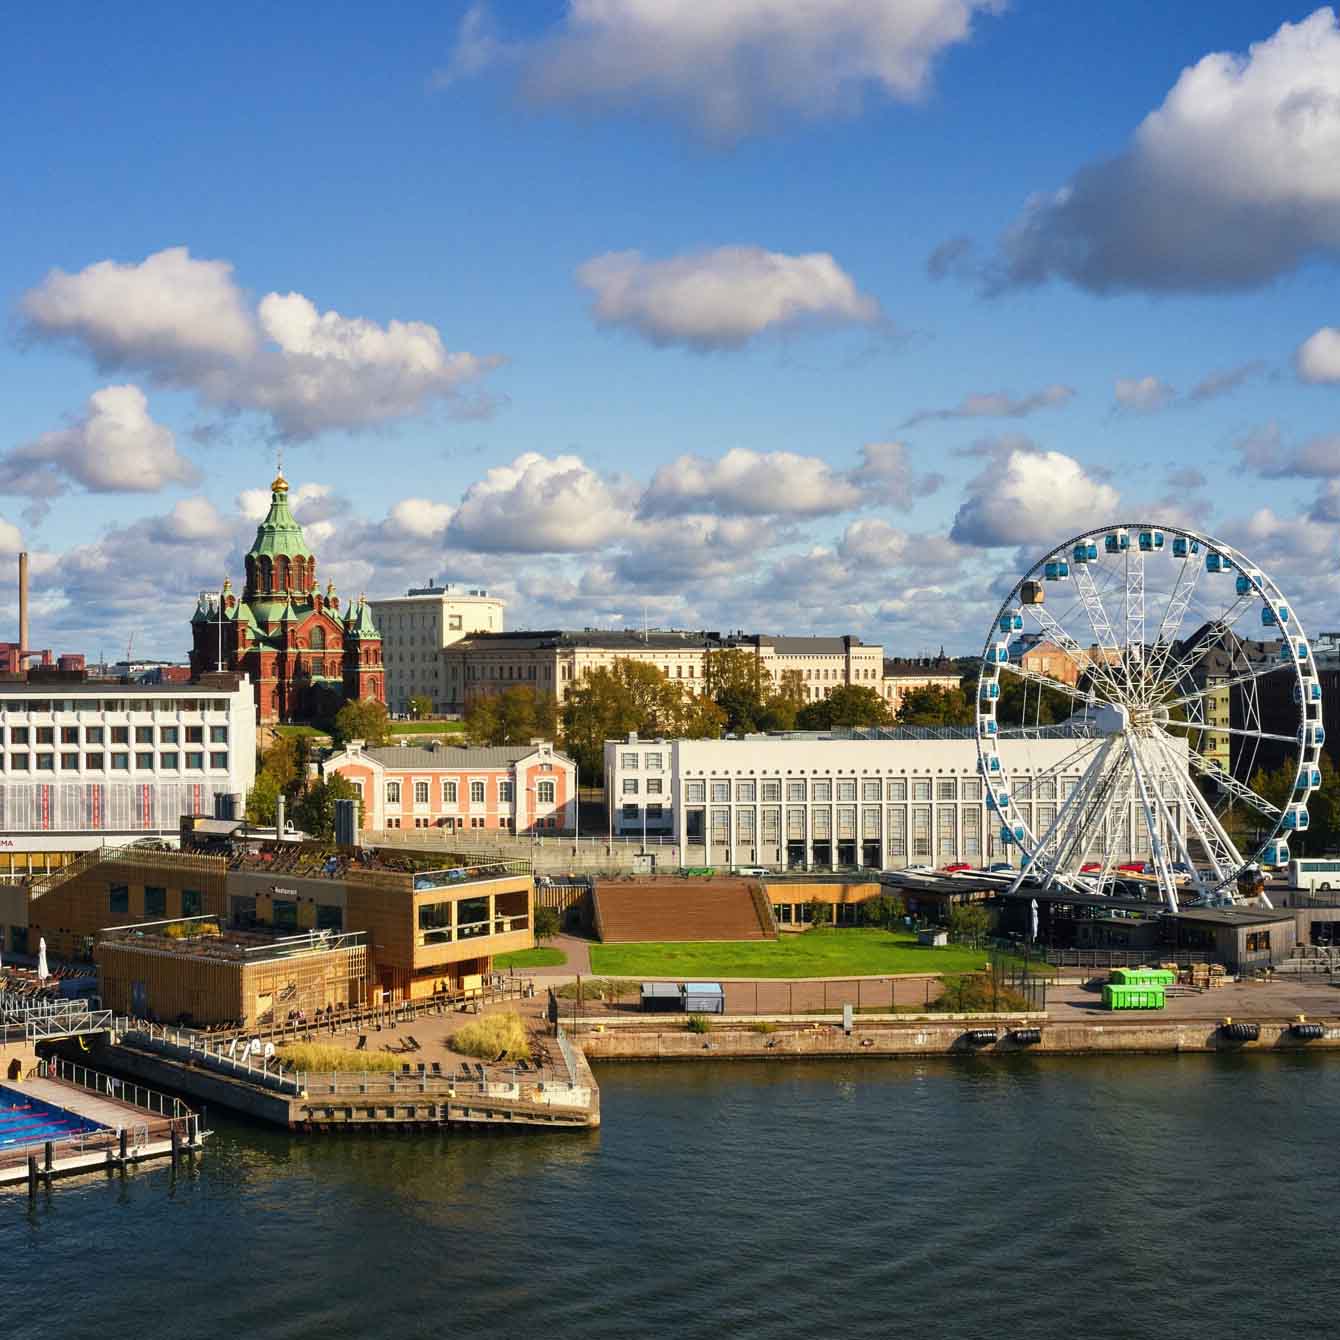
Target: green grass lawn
(825, 953)
(301, 730)
(427, 727)
(540, 957)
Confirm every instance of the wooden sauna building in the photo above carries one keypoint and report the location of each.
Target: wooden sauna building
(200, 972)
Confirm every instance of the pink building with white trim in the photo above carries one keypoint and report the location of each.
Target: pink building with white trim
(510, 788)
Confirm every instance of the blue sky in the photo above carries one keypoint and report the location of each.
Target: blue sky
(674, 310)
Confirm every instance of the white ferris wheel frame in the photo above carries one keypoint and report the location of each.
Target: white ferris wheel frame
(1133, 761)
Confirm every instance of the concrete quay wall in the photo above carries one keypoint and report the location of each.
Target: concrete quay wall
(942, 1039)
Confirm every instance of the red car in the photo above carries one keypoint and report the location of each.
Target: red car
(956, 867)
(1132, 868)
(1090, 868)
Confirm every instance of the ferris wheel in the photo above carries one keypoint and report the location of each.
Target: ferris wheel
(1175, 670)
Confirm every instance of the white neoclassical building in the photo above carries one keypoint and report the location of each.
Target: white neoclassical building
(880, 799)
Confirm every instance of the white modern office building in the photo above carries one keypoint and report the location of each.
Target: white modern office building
(415, 629)
(87, 763)
(881, 799)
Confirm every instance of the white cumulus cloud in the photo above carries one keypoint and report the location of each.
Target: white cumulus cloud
(537, 505)
(1318, 357)
(1232, 181)
(1027, 497)
(421, 517)
(183, 322)
(115, 446)
(728, 67)
(749, 483)
(724, 298)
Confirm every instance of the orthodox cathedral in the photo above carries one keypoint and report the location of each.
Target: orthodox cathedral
(304, 654)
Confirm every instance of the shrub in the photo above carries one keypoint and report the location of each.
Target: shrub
(596, 988)
(974, 993)
(546, 923)
(494, 1037)
(821, 914)
(763, 1026)
(698, 1023)
(883, 910)
(326, 1056)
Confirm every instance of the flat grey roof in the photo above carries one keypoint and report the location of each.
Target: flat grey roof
(1233, 916)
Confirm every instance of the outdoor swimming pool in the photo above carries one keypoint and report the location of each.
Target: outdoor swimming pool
(27, 1121)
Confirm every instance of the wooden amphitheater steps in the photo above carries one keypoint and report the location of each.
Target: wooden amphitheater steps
(678, 909)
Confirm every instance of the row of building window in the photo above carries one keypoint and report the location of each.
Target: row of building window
(155, 902)
(630, 785)
(170, 760)
(651, 762)
(544, 793)
(89, 705)
(825, 790)
(24, 735)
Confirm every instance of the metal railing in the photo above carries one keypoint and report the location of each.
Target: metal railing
(109, 1086)
(258, 1064)
(73, 1025)
(537, 1087)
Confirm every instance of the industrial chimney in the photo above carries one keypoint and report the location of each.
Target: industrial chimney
(23, 608)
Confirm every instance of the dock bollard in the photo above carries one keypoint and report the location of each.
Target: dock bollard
(32, 1176)
(48, 1155)
(125, 1143)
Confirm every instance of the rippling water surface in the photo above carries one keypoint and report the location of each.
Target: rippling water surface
(1126, 1197)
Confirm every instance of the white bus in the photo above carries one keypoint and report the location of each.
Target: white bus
(1319, 874)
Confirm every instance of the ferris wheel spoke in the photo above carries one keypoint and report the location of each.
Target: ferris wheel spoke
(1024, 790)
(1248, 676)
(1225, 780)
(1135, 622)
(1215, 633)
(1057, 633)
(1045, 681)
(1231, 730)
(1108, 652)
(1178, 603)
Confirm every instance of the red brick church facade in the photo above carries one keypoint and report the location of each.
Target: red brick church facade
(304, 653)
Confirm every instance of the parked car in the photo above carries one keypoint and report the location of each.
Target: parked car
(1002, 868)
(954, 867)
(754, 870)
(1134, 868)
(919, 870)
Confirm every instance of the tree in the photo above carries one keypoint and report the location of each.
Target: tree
(935, 706)
(784, 703)
(969, 923)
(362, 720)
(849, 705)
(884, 910)
(481, 719)
(263, 798)
(738, 684)
(420, 706)
(609, 702)
(314, 812)
(821, 914)
(546, 922)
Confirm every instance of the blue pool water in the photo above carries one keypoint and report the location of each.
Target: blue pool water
(27, 1121)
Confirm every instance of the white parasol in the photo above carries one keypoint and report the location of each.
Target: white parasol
(43, 972)
(1034, 935)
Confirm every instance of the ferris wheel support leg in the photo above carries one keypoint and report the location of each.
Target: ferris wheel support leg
(1071, 808)
(1219, 847)
(1162, 869)
(1108, 796)
(1171, 823)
